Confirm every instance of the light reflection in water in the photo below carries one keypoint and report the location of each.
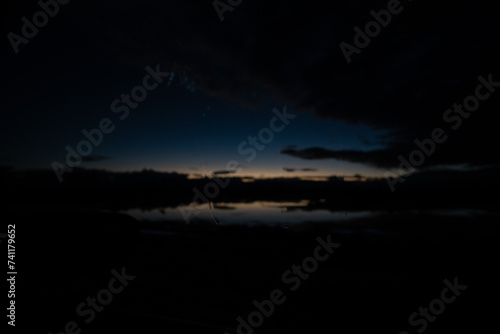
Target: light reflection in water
(258, 212)
(282, 213)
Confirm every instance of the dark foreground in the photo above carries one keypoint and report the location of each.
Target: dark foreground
(201, 278)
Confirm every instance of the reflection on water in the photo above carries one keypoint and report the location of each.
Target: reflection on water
(258, 212)
(282, 213)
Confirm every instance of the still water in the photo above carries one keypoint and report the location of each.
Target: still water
(249, 213)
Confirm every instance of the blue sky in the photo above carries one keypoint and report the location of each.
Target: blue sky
(178, 130)
(367, 112)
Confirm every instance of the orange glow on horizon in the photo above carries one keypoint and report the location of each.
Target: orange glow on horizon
(248, 179)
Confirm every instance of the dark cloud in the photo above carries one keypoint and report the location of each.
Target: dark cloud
(390, 158)
(286, 169)
(227, 172)
(378, 158)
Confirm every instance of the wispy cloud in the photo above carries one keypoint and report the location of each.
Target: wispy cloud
(286, 169)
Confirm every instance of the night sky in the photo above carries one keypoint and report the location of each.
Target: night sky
(216, 151)
(228, 76)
